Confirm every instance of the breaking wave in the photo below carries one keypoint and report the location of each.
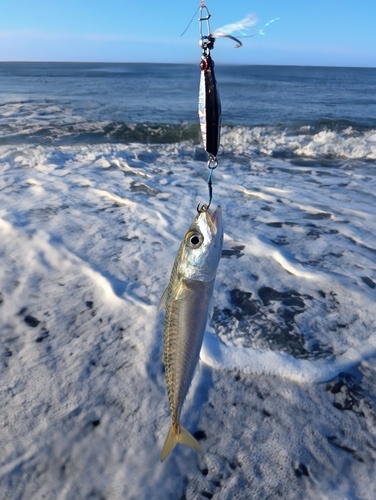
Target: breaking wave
(27, 123)
(312, 141)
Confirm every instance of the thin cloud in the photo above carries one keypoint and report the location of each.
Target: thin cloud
(90, 37)
(46, 35)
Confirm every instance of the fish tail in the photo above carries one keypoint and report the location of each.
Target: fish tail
(178, 434)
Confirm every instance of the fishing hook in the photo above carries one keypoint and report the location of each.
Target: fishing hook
(238, 42)
(212, 164)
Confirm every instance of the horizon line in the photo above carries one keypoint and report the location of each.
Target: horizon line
(188, 64)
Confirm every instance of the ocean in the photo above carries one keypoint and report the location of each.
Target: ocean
(101, 170)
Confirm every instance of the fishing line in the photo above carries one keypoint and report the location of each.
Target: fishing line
(191, 21)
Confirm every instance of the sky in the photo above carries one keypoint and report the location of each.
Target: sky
(313, 33)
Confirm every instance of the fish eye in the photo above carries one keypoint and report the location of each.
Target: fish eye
(194, 239)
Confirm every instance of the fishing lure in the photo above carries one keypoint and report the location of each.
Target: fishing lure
(209, 108)
(209, 103)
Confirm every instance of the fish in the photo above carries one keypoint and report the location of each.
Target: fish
(187, 300)
(209, 107)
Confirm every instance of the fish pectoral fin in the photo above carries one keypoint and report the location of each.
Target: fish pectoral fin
(177, 293)
(180, 291)
(178, 435)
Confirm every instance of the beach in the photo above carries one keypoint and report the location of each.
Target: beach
(101, 170)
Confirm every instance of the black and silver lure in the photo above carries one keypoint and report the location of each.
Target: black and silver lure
(209, 108)
(209, 103)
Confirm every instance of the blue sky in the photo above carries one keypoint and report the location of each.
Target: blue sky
(319, 32)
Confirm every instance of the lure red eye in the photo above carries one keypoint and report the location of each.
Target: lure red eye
(203, 65)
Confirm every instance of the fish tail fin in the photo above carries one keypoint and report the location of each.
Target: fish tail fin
(178, 434)
(186, 438)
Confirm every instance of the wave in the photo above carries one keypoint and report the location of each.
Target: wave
(320, 139)
(30, 123)
(311, 141)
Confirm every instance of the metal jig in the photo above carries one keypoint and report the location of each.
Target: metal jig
(209, 104)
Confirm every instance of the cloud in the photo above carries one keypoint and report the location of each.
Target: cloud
(35, 35)
(46, 35)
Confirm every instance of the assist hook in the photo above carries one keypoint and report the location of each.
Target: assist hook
(212, 164)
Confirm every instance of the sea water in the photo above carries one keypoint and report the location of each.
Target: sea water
(101, 168)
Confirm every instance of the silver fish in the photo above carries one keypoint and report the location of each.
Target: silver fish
(187, 300)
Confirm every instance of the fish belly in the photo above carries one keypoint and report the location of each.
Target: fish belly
(185, 325)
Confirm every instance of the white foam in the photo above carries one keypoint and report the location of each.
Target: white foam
(87, 251)
(347, 143)
(250, 361)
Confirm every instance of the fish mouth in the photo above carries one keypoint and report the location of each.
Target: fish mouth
(212, 220)
(216, 219)
(216, 216)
